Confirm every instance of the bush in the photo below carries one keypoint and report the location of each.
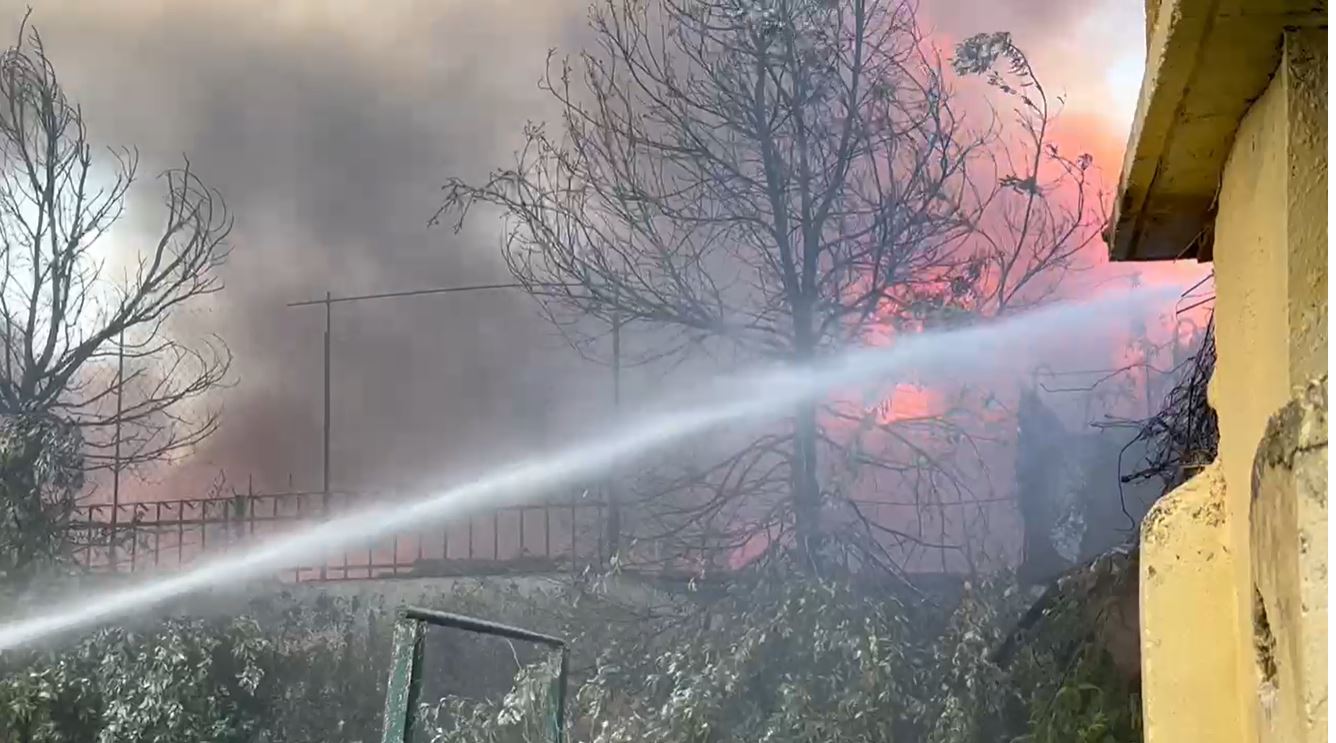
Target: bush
(789, 659)
(777, 656)
(186, 680)
(310, 678)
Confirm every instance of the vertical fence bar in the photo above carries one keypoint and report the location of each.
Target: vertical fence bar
(88, 548)
(547, 530)
(180, 534)
(496, 535)
(370, 560)
(204, 516)
(157, 534)
(345, 561)
(598, 540)
(134, 537)
(297, 515)
(524, 514)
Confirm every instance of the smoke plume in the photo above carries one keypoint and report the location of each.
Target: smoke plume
(328, 126)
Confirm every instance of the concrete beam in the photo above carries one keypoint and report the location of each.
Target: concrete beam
(1207, 61)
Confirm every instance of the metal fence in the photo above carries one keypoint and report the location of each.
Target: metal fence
(171, 534)
(556, 536)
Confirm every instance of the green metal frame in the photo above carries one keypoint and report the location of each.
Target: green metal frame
(401, 695)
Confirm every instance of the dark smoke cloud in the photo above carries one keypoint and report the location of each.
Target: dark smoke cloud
(328, 128)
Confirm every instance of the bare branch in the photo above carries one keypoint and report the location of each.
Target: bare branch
(66, 320)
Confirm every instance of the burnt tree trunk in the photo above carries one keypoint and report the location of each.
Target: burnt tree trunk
(1040, 463)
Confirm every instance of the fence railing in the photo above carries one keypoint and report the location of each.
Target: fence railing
(171, 534)
(556, 536)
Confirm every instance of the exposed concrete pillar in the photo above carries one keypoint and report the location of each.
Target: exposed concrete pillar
(1289, 571)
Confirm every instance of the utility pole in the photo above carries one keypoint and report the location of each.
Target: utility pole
(328, 302)
(324, 477)
(613, 527)
(324, 459)
(116, 456)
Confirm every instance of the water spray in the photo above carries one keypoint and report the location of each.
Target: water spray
(754, 397)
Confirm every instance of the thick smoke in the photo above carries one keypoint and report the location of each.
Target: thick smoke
(328, 126)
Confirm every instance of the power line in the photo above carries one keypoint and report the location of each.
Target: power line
(419, 292)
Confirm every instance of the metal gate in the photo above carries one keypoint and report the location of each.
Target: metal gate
(403, 690)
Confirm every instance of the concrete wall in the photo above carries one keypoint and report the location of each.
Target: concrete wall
(1187, 578)
(1229, 607)
(1289, 571)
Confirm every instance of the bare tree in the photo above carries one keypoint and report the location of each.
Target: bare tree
(1039, 210)
(86, 346)
(770, 179)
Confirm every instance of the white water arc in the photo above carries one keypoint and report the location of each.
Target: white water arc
(754, 396)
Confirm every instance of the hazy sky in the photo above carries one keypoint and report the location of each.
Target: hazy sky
(328, 126)
(1090, 51)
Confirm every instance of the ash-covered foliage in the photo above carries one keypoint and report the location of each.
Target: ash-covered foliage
(789, 658)
(224, 680)
(41, 476)
(185, 680)
(778, 656)
(526, 713)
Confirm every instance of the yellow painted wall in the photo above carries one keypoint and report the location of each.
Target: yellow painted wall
(1270, 265)
(1271, 290)
(1187, 619)
(1252, 374)
(1305, 69)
